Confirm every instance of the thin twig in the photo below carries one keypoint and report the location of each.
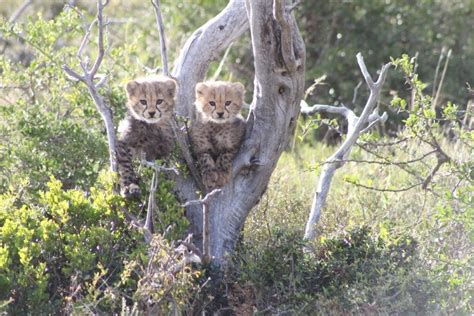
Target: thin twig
(183, 145)
(20, 11)
(206, 258)
(442, 158)
(404, 167)
(356, 90)
(161, 30)
(387, 144)
(221, 63)
(85, 40)
(205, 199)
(374, 120)
(311, 88)
(435, 101)
(100, 37)
(438, 65)
(149, 225)
(378, 162)
(151, 209)
(158, 167)
(387, 190)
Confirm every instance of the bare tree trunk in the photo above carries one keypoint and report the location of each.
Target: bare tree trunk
(279, 54)
(190, 68)
(279, 57)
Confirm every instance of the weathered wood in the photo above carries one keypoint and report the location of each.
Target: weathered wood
(191, 67)
(203, 47)
(356, 126)
(279, 58)
(279, 54)
(88, 78)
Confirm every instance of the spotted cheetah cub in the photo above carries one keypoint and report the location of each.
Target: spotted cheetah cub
(218, 130)
(146, 129)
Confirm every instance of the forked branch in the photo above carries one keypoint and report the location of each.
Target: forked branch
(89, 76)
(357, 126)
(205, 223)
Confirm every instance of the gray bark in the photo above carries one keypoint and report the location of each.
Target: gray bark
(279, 58)
(191, 67)
(356, 126)
(202, 48)
(90, 75)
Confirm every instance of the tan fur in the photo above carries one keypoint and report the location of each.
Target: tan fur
(218, 131)
(146, 128)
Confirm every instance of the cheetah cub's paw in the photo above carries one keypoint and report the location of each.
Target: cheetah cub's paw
(130, 191)
(210, 180)
(223, 177)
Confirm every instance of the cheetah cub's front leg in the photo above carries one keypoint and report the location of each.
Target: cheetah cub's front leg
(146, 129)
(208, 171)
(224, 167)
(128, 180)
(218, 130)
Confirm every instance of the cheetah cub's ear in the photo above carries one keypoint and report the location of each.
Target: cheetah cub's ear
(131, 87)
(170, 86)
(201, 89)
(239, 90)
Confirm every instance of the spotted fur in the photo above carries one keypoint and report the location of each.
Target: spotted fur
(146, 129)
(218, 130)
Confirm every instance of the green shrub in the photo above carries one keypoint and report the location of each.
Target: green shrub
(51, 251)
(342, 273)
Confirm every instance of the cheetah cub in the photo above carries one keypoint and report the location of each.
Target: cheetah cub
(146, 129)
(218, 130)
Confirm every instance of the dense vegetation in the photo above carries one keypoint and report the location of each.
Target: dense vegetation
(392, 239)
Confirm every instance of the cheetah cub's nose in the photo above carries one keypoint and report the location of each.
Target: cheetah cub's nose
(221, 114)
(152, 114)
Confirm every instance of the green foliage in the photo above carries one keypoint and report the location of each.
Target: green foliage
(65, 246)
(339, 29)
(47, 125)
(52, 250)
(161, 288)
(342, 273)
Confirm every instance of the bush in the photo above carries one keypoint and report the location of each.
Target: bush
(51, 251)
(344, 273)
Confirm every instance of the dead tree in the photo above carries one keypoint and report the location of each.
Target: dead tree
(279, 60)
(356, 126)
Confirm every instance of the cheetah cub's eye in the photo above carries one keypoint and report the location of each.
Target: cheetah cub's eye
(159, 101)
(227, 103)
(212, 103)
(143, 102)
